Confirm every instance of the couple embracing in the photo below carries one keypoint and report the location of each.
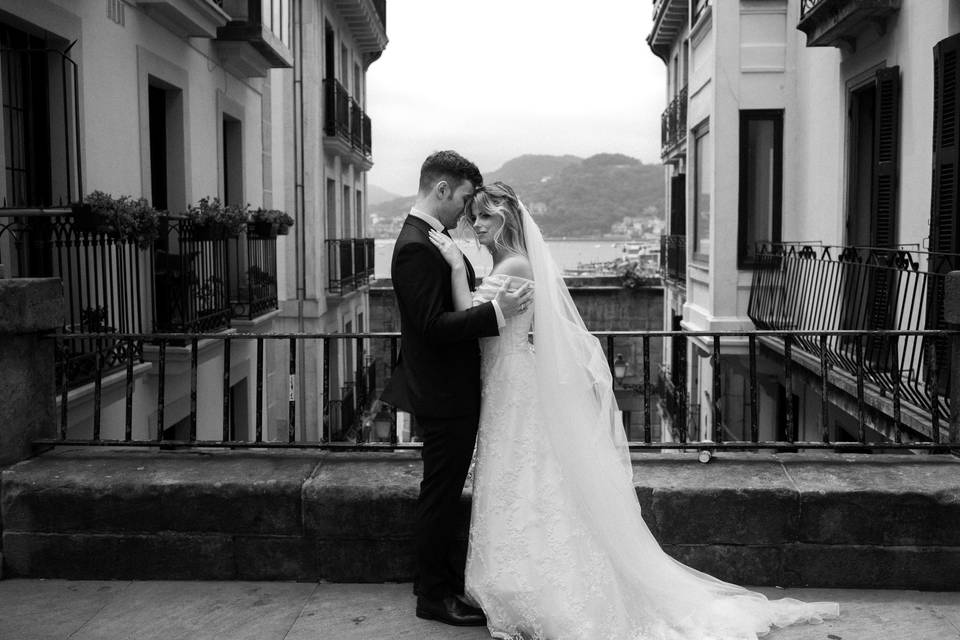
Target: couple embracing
(557, 548)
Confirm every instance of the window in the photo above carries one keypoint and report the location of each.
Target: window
(761, 181)
(347, 224)
(360, 216)
(702, 182)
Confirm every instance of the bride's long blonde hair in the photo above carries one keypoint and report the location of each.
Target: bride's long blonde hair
(499, 199)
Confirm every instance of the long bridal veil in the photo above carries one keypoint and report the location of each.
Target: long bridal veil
(586, 435)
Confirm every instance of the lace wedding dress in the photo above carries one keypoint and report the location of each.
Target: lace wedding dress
(558, 550)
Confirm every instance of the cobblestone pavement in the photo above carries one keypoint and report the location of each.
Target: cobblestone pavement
(103, 610)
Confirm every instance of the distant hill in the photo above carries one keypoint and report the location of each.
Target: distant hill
(377, 195)
(571, 196)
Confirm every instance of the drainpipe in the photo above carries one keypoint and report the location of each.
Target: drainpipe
(300, 245)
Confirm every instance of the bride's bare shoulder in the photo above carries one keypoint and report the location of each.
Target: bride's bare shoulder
(515, 265)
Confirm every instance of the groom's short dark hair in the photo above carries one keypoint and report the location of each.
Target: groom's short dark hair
(448, 165)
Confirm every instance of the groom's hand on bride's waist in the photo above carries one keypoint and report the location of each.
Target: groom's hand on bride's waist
(516, 301)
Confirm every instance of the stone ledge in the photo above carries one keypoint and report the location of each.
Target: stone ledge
(776, 519)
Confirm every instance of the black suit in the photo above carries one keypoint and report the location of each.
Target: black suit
(437, 379)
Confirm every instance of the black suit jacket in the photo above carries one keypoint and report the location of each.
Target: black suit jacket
(438, 370)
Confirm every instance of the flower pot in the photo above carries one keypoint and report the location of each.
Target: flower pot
(265, 229)
(282, 230)
(86, 220)
(209, 231)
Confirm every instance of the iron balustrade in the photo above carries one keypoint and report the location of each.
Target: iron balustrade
(336, 109)
(350, 264)
(673, 123)
(823, 288)
(112, 285)
(673, 258)
(345, 119)
(345, 411)
(356, 124)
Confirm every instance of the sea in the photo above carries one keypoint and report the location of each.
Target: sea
(569, 254)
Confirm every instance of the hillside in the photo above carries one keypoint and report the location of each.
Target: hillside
(571, 196)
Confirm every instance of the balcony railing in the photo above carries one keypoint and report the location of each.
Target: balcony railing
(347, 409)
(835, 23)
(345, 120)
(673, 258)
(823, 288)
(185, 281)
(673, 124)
(349, 264)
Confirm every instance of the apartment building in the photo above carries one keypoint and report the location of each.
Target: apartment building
(251, 102)
(805, 142)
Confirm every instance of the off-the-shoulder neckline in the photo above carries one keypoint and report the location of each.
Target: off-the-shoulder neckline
(504, 275)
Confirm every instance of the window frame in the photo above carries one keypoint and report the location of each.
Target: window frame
(776, 223)
(701, 131)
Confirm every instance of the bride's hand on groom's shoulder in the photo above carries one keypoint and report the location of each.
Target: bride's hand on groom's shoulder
(448, 249)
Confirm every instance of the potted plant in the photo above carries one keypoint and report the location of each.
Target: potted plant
(268, 223)
(214, 220)
(127, 218)
(91, 214)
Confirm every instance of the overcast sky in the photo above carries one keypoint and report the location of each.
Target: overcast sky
(500, 78)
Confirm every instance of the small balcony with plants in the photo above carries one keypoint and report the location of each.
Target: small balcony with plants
(128, 268)
(673, 259)
(838, 23)
(256, 38)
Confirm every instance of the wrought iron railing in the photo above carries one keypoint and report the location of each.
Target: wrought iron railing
(673, 123)
(344, 117)
(367, 135)
(332, 413)
(186, 280)
(824, 288)
(350, 264)
(336, 109)
(673, 258)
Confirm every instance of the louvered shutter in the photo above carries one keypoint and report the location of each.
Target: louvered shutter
(884, 199)
(943, 209)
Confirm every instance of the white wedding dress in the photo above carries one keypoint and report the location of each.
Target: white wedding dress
(557, 547)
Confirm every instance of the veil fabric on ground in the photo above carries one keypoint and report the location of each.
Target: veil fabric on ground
(558, 547)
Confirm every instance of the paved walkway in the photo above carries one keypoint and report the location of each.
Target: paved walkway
(98, 610)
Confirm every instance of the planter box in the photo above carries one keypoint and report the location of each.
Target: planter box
(264, 229)
(210, 231)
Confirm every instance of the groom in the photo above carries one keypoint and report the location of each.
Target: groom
(437, 377)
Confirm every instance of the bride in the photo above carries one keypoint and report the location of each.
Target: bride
(557, 547)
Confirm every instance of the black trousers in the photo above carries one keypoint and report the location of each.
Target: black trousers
(447, 450)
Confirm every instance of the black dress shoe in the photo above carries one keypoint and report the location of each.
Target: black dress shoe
(450, 610)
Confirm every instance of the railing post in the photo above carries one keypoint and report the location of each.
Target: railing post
(951, 313)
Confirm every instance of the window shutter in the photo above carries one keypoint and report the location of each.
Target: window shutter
(887, 149)
(943, 207)
(884, 193)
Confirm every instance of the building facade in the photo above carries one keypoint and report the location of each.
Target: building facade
(801, 171)
(257, 103)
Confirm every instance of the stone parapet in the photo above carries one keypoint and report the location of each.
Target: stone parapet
(760, 519)
(29, 307)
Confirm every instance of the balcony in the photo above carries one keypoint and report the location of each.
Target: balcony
(837, 23)
(673, 259)
(367, 21)
(855, 289)
(257, 37)
(346, 128)
(349, 264)
(673, 127)
(185, 281)
(670, 18)
(187, 18)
